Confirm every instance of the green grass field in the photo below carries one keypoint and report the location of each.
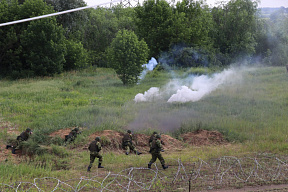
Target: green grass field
(250, 111)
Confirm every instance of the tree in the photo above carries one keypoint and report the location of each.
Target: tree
(72, 22)
(126, 55)
(44, 48)
(198, 22)
(34, 48)
(154, 21)
(277, 38)
(76, 57)
(235, 27)
(99, 33)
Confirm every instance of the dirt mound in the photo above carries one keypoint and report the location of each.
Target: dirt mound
(62, 132)
(112, 140)
(203, 137)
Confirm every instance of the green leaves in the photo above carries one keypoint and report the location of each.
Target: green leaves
(126, 55)
(33, 48)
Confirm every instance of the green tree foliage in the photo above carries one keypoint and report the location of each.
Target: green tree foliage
(191, 45)
(102, 27)
(125, 17)
(43, 48)
(33, 48)
(234, 29)
(276, 40)
(73, 22)
(126, 55)
(154, 21)
(99, 33)
(76, 57)
(196, 24)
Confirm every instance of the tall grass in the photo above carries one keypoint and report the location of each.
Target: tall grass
(251, 113)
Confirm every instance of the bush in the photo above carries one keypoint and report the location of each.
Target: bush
(126, 55)
(76, 57)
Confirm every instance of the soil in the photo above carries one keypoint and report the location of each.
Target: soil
(204, 137)
(112, 140)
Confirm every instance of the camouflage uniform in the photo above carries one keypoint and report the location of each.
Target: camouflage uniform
(17, 143)
(156, 149)
(72, 135)
(95, 148)
(128, 144)
(152, 138)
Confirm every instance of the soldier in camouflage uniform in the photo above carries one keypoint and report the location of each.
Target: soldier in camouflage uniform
(156, 149)
(72, 135)
(152, 138)
(95, 148)
(17, 144)
(128, 144)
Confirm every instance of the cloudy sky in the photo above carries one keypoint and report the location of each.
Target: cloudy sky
(264, 3)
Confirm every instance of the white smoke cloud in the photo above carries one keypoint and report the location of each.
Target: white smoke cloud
(190, 89)
(153, 92)
(148, 67)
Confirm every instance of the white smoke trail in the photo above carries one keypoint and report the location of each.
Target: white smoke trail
(201, 86)
(148, 67)
(190, 89)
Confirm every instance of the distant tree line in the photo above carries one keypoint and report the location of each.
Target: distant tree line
(185, 34)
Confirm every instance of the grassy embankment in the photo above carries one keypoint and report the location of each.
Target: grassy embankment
(251, 113)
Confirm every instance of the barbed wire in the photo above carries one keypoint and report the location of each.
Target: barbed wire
(194, 173)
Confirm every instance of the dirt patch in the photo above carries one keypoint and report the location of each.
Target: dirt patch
(204, 137)
(10, 128)
(112, 140)
(62, 132)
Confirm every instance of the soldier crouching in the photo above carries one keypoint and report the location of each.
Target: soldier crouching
(17, 143)
(128, 144)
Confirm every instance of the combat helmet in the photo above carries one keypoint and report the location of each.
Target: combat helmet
(28, 130)
(97, 138)
(129, 131)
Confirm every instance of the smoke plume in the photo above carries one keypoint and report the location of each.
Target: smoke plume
(190, 89)
(148, 67)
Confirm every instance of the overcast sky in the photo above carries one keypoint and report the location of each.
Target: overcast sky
(264, 3)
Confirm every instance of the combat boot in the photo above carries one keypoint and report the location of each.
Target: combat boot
(99, 166)
(8, 146)
(149, 166)
(138, 153)
(88, 169)
(127, 153)
(164, 167)
(13, 151)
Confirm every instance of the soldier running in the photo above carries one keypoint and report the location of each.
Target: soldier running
(95, 148)
(152, 138)
(128, 144)
(156, 149)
